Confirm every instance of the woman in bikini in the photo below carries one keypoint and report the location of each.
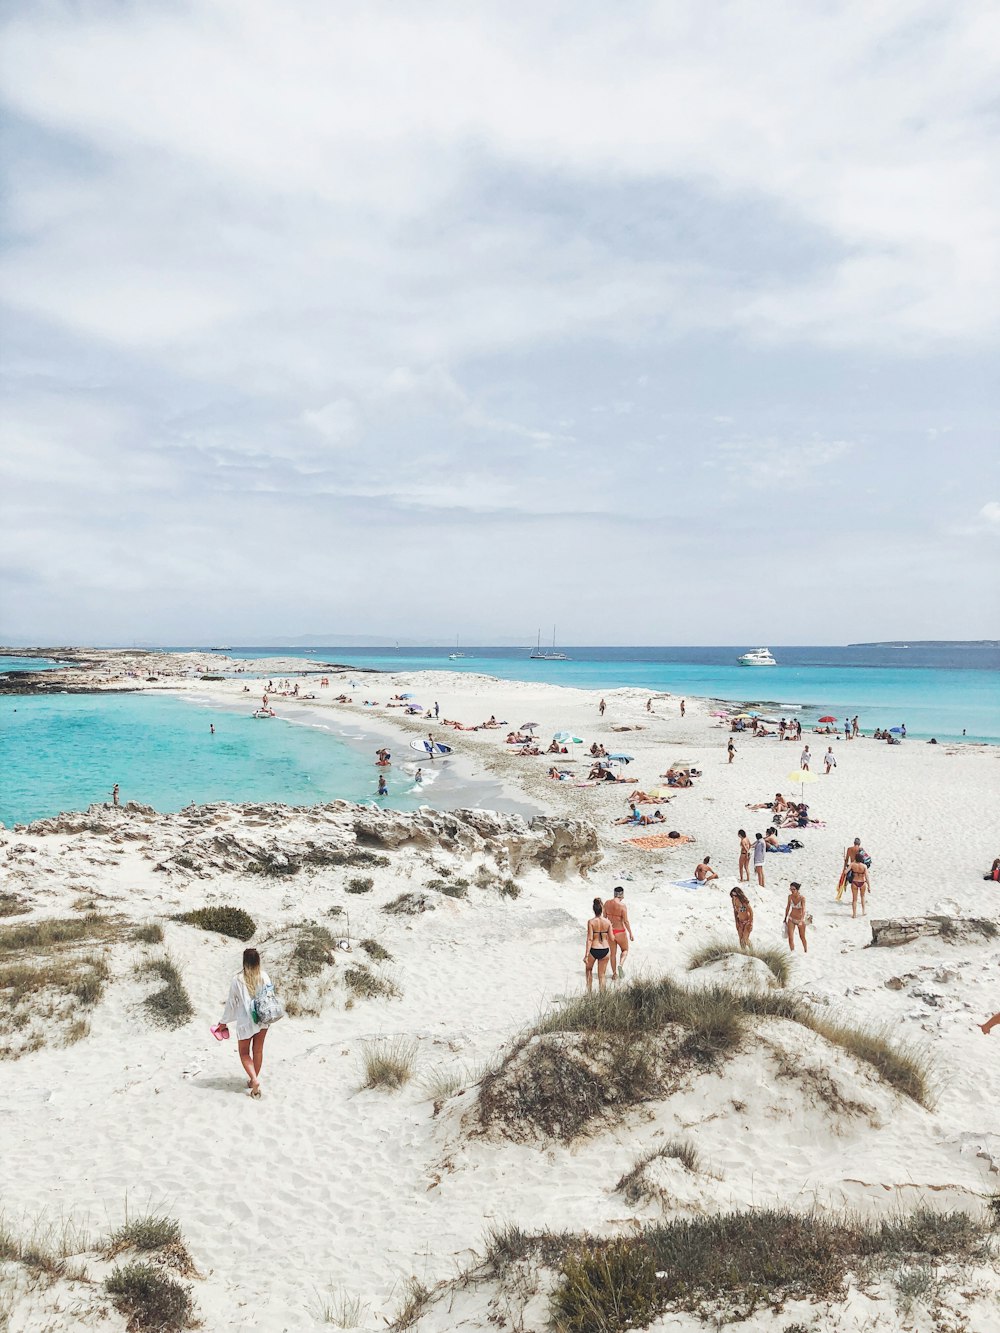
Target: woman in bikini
(597, 946)
(743, 913)
(795, 916)
(744, 873)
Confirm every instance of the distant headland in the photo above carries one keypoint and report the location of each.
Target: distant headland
(929, 643)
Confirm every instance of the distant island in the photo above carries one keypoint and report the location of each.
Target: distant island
(929, 643)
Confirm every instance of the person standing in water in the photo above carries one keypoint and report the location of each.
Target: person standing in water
(597, 947)
(621, 930)
(383, 789)
(239, 1009)
(795, 916)
(743, 914)
(744, 868)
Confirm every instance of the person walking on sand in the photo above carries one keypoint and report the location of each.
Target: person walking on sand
(858, 879)
(743, 913)
(437, 710)
(731, 750)
(682, 707)
(243, 991)
(597, 947)
(759, 852)
(851, 854)
(114, 794)
(744, 867)
(795, 916)
(829, 760)
(703, 872)
(601, 707)
(649, 705)
(621, 930)
(804, 759)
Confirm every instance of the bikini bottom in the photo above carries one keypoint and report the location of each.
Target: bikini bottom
(599, 953)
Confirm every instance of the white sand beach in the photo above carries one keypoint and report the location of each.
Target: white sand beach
(322, 1198)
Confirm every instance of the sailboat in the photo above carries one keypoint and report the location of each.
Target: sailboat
(536, 654)
(453, 657)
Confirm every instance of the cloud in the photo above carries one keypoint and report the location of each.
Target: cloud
(777, 464)
(338, 422)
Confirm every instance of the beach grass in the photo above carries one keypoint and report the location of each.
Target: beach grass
(365, 984)
(45, 1249)
(150, 932)
(222, 920)
(49, 932)
(149, 1298)
(377, 952)
(552, 1087)
(341, 1309)
(742, 1261)
(389, 1064)
(170, 1006)
(312, 950)
(778, 960)
(633, 1184)
(412, 1305)
(12, 905)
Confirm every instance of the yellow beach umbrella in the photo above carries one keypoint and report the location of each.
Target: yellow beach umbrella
(802, 776)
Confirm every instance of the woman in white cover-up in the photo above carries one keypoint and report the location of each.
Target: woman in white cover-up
(239, 1010)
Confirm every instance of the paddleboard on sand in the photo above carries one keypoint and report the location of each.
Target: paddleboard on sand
(431, 748)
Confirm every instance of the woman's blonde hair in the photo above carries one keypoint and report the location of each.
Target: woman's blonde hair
(251, 970)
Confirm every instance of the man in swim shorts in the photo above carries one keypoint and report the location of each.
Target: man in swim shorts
(621, 930)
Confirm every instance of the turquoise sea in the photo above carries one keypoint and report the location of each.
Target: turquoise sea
(61, 752)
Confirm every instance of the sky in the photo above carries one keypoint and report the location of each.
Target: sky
(662, 322)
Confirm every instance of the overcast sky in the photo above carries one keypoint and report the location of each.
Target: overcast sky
(669, 323)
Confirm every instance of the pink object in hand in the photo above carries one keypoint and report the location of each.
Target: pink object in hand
(219, 1033)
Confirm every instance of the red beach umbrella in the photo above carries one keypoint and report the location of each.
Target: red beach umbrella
(828, 718)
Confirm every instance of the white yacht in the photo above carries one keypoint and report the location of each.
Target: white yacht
(537, 653)
(758, 657)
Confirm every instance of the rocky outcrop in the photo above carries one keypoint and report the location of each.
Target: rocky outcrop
(890, 932)
(282, 840)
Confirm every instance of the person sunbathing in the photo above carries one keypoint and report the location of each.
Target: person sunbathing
(635, 817)
(560, 774)
(703, 872)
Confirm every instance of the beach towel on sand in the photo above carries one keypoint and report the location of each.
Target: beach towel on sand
(686, 884)
(651, 841)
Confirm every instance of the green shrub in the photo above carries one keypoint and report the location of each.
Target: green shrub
(149, 1299)
(149, 1232)
(366, 985)
(360, 884)
(508, 888)
(231, 921)
(610, 1287)
(452, 888)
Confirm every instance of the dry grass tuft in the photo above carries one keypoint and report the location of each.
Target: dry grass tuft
(367, 985)
(778, 960)
(51, 931)
(12, 905)
(312, 951)
(150, 932)
(412, 1306)
(634, 1185)
(152, 1234)
(409, 904)
(375, 951)
(171, 1006)
(149, 1299)
(389, 1064)
(732, 1264)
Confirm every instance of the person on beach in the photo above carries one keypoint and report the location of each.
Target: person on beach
(744, 869)
(383, 789)
(987, 1027)
(854, 726)
(240, 1010)
(682, 707)
(795, 916)
(437, 710)
(731, 750)
(743, 914)
(703, 872)
(847, 729)
(597, 947)
(759, 852)
(804, 759)
(649, 705)
(858, 879)
(601, 707)
(418, 777)
(114, 794)
(621, 930)
(829, 760)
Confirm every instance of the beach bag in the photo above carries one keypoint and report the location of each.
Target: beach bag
(267, 1008)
